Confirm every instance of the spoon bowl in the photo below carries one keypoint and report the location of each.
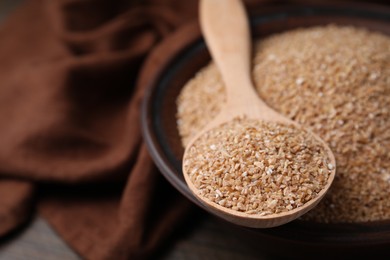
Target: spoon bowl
(230, 50)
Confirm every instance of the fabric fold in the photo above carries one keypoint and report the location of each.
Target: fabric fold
(16, 197)
(69, 108)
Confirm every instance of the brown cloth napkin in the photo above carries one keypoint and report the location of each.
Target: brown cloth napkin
(69, 113)
(70, 135)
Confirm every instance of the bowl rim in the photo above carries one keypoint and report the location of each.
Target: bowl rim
(189, 34)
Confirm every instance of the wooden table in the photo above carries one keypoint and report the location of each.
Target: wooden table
(208, 240)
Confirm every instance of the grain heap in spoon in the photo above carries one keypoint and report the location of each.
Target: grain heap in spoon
(251, 165)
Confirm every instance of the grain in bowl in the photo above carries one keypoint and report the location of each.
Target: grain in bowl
(334, 80)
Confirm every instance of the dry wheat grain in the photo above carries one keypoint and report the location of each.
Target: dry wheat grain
(258, 167)
(334, 80)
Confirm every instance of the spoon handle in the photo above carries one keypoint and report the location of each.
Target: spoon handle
(225, 26)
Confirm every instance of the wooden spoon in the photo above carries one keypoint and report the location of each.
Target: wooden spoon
(225, 27)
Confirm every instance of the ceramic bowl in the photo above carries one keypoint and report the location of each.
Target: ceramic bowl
(180, 56)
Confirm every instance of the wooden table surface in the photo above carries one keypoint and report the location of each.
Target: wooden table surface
(38, 241)
(208, 240)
